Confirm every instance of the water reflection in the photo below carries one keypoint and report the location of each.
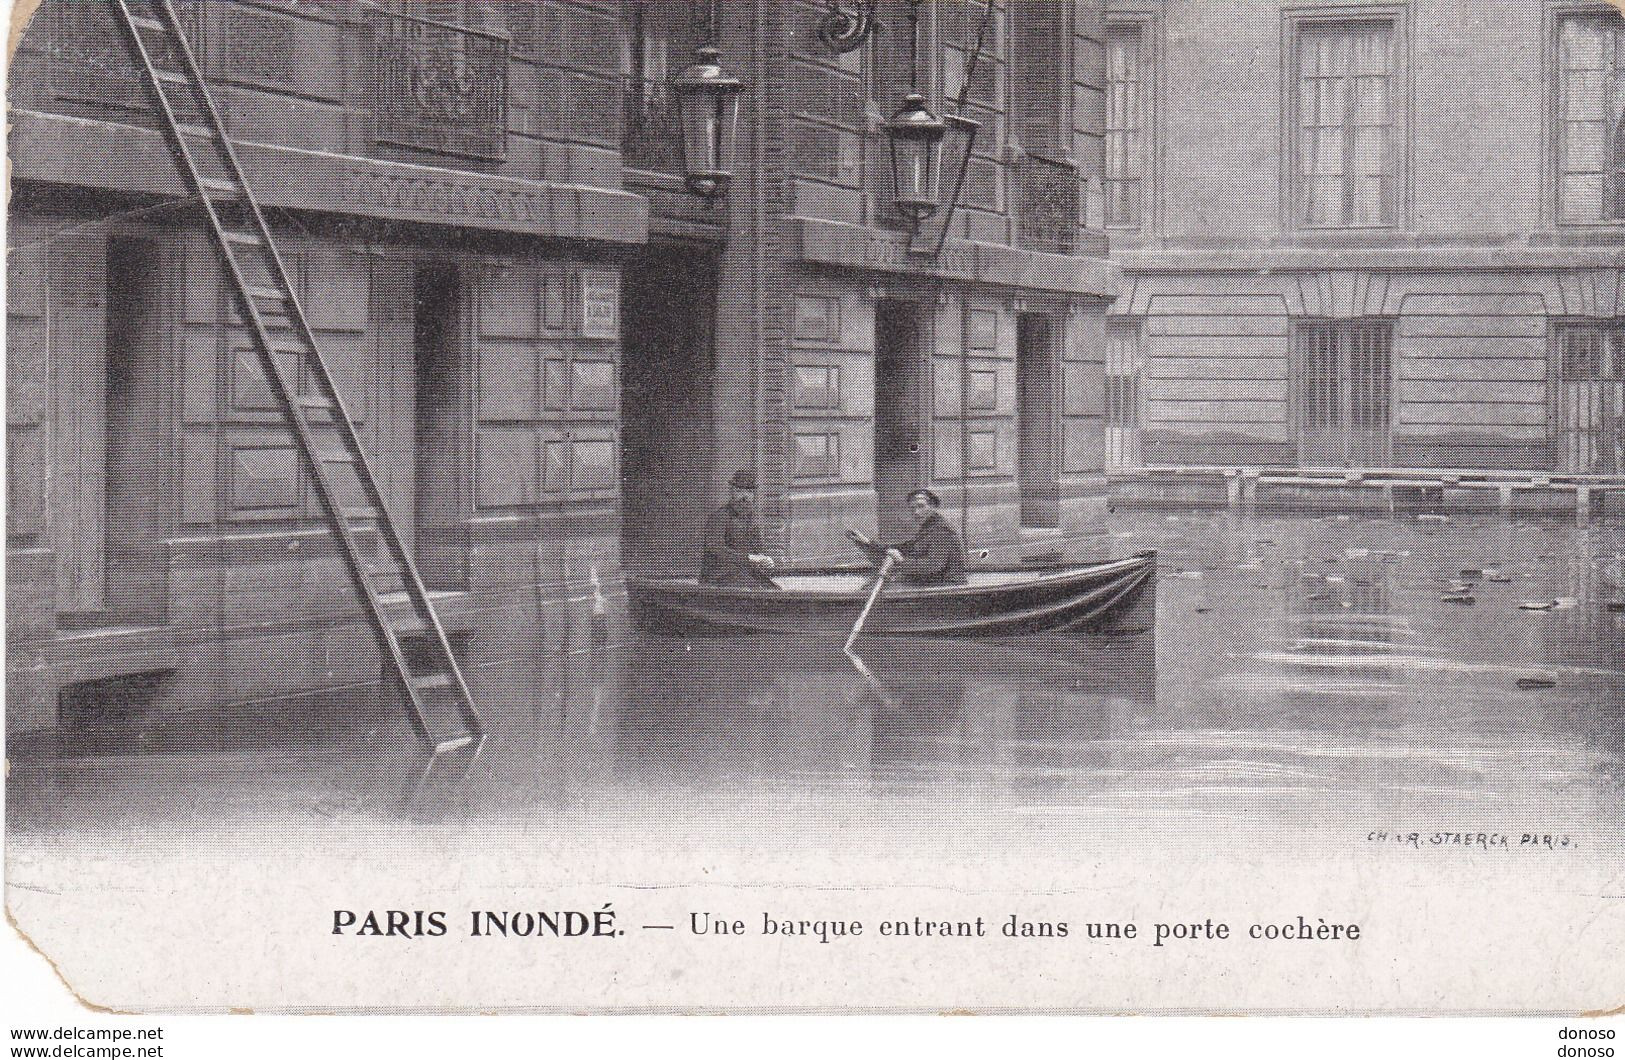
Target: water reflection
(1307, 677)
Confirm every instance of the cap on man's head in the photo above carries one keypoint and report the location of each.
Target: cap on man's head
(930, 498)
(744, 479)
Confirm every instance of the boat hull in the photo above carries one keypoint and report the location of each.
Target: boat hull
(1098, 595)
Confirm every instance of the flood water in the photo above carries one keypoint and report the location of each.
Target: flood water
(1310, 683)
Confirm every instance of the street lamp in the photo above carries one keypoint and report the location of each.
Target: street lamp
(708, 108)
(915, 138)
(913, 134)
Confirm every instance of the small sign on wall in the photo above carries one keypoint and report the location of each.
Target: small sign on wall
(600, 304)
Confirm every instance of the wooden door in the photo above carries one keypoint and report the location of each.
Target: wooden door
(441, 433)
(138, 434)
(1037, 466)
(77, 480)
(898, 414)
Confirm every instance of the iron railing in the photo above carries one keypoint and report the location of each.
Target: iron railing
(1047, 205)
(651, 130)
(439, 87)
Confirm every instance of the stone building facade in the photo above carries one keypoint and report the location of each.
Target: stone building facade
(555, 354)
(1367, 234)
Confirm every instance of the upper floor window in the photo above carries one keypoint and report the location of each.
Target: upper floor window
(1127, 182)
(661, 38)
(1590, 118)
(1345, 116)
(1041, 54)
(973, 69)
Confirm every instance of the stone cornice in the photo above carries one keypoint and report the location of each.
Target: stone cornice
(850, 246)
(56, 149)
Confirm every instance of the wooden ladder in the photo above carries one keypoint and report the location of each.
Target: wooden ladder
(413, 642)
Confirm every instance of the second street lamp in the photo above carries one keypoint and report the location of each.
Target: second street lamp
(708, 107)
(915, 136)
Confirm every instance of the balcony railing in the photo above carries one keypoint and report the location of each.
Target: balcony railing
(1047, 199)
(439, 87)
(89, 68)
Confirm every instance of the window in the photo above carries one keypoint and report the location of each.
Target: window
(963, 25)
(827, 103)
(1128, 112)
(1125, 365)
(1344, 391)
(1040, 47)
(660, 37)
(1590, 119)
(1345, 125)
(1586, 398)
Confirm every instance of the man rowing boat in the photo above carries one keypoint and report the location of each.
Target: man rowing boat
(935, 555)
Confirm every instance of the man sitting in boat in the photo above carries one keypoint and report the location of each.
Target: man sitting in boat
(935, 556)
(733, 542)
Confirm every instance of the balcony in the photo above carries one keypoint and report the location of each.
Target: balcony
(438, 87)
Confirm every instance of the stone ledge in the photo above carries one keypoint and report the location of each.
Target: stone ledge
(1297, 259)
(851, 246)
(58, 149)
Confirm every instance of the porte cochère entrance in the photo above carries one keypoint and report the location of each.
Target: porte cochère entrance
(668, 310)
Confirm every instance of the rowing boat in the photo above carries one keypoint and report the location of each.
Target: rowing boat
(996, 601)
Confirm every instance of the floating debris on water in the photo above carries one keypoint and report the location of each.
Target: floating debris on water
(1536, 605)
(1458, 598)
(1536, 682)
(1429, 517)
(1616, 606)
(1564, 603)
(1472, 572)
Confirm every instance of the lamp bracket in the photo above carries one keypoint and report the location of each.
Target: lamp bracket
(844, 29)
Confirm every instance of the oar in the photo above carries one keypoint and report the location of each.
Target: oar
(863, 616)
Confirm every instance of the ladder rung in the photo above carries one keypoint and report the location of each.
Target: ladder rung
(453, 743)
(360, 513)
(230, 187)
(312, 401)
(338, 458)
(171, 76)
(247, 239)
(270, 293)
(148, 23)
(407, 624)
(194, 130)
(432, 681)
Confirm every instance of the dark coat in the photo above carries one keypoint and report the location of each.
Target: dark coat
(934, 556)
(730, 538)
